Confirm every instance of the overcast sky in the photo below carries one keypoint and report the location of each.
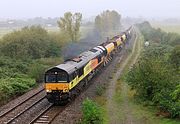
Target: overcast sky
(56, 8)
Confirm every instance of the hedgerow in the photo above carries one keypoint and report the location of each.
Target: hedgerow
(155, 77)
(15, 86)
(92, 113)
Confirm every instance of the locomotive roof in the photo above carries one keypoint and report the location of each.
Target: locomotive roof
(71, 65)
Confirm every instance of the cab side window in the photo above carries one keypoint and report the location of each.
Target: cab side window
(81, 71)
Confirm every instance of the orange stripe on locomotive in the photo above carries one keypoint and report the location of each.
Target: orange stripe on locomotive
(94, 63)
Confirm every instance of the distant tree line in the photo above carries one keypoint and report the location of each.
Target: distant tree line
(158, 36)
(34, 21)
(29, 42)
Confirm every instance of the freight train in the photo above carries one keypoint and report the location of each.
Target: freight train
(65, 81)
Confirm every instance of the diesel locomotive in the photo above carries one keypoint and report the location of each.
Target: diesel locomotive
(65, 81)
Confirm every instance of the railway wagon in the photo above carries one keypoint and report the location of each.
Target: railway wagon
(65, 81)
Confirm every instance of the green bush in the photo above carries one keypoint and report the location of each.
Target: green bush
(155, 80)
(92, 113)
(10, 87)
(155, 77)
(36, 71)
(10, 67)
(38, 67)
(174, 58)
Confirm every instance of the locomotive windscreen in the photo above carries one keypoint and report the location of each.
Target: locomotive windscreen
(62, 77)
(50, 78)
(56, 77)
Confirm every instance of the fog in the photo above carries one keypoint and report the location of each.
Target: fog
(55, 8)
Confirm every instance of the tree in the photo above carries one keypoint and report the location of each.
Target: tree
(155, 81)
(107, 22)
(175, 57)
(29, 42)
(70, 24)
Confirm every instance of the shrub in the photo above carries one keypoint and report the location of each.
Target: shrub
(175, 57)
(37, 68)
(11, 87)
(155, 76)
(30, 42)
(92, 113)
(155, 80)
(36, 71)
(24, 56)
(12, 67)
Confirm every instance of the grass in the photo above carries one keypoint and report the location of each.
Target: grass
(141, 114)
(4, 31)
(168, 27)
(101, 101)
(147, 114)
(101, 98)
(100, 89)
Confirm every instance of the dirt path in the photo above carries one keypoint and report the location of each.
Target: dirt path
(112, 106)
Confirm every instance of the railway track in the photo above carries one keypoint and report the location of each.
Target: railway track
(12, 114)
(48, 114)
(44, 116)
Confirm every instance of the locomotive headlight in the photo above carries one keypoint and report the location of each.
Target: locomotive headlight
(66, 90)
(48, 91)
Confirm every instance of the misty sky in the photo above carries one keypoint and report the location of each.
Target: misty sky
(56, 8)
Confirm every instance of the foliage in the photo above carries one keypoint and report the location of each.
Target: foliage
(92, 113)
(36, 71)
(18, 76)
(155, 80)
(10, 87)
(157, 35)
(24, 56)
(158, 51)
(38, 67)
(29, 42)
(108, 21)
(60, 38)
(175, 57)
(10, 67)
(156, 75)
(70, 25)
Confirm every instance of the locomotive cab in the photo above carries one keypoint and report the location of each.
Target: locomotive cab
(56, 84)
